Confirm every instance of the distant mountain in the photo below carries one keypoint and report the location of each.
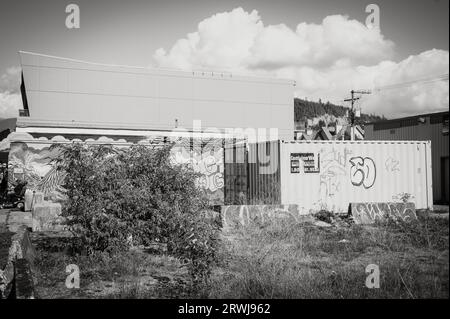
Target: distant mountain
(322, 114)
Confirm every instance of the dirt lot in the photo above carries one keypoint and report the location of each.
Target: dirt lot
(273, 261)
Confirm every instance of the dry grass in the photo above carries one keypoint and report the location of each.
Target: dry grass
(130, 275)
(279, 260)
(304, 261)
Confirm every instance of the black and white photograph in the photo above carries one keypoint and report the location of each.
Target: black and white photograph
(224, 156)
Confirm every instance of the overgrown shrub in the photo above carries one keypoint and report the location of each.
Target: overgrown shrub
(115, 195)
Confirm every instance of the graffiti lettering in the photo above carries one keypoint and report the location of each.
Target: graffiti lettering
(363, 171)
(392, 164)
(210, 166)
(244, 215)
(332, 173)
(368, 213)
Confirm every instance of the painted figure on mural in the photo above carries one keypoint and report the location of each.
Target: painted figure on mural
(36, 166)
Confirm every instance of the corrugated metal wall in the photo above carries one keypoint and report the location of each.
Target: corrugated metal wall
(235, 174)
(264, 173)
(355, 171)
(252, 174)
(432, 129)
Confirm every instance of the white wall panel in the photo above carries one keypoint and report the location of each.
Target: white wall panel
(363, 171)
(64, 90)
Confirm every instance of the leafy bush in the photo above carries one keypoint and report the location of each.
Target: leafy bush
(114, 195)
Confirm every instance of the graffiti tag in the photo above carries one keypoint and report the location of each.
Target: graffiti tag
(392, 164)
(363, 171)
(368, 213)
(332, 174)
(235, 216)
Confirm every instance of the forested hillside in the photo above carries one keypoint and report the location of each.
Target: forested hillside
(316, 111)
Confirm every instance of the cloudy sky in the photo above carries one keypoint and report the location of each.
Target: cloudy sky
(324, 45)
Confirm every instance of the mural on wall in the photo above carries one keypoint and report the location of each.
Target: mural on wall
(35, 165)
(369, 213)
(210, 165)
(33, 161)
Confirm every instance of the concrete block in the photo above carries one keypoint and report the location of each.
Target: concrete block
(24, 280)
(38, 198)
(33, 198)
(19, 248)
(18, 219)
(28, 200)
(46, 216)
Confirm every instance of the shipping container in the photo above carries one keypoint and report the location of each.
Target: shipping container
(330, 175)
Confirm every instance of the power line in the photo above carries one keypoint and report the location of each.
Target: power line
(444, 77)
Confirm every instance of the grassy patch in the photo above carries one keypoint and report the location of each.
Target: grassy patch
(278, 260)
(304, 261)
(128, 275)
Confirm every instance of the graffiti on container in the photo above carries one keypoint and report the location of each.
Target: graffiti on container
(336, 157)
(392, 165)
(333, 170)
(403, 197)
(369, 213)
(363, 171)
(244, 215)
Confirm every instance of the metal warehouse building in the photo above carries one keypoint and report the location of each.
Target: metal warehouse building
(432, 127)
(66, 93)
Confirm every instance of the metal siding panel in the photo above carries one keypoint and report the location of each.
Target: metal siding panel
(422, 132)
(263, 173)
(66, 90)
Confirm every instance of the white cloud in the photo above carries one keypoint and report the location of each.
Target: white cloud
(10, 80)
(327, 60)
(10, 99)
(10, 103)
(222, 41)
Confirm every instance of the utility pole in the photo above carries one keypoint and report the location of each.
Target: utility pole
(352, 110)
